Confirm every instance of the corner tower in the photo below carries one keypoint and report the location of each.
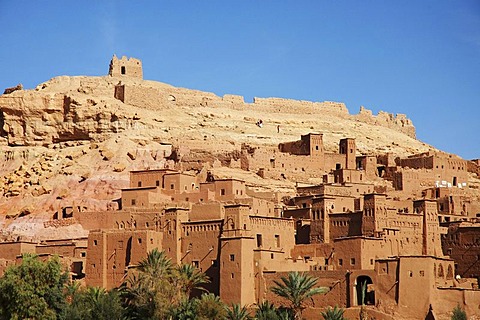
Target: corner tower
(125, 67)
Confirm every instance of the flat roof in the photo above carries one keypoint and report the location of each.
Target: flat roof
(153, 170)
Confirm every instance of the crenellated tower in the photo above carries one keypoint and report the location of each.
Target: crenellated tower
(125, 67)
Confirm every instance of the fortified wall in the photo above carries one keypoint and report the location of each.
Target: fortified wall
(155, 98)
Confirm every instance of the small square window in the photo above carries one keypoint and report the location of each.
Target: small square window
(139, 240)
(134, 202)
(139, 184)
(232, 275)
(157, 183)
(195, 263)
(352, 261)
(222, 192)
(232, 257)
(95, 242)
(83, 254)
(371, 261)
(340, 262)
(172, 186)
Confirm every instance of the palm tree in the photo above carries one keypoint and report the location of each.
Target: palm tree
(333, 314)
(186, 309)
(150, 293)
(189, 278)
(266, 311)
(297, 288)
(237, 313)
(156, 264)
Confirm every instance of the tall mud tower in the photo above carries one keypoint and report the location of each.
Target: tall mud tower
(125, 67)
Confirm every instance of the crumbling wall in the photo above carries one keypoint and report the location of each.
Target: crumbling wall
(300, 106)
(398, 122)
(125, 67)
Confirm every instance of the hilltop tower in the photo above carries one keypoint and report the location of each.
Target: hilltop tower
(125, 67)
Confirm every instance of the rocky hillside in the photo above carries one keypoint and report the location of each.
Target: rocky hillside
(73, 140)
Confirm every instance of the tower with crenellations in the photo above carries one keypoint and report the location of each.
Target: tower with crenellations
(125, 67)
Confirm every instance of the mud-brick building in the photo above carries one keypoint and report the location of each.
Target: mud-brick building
(462, 243)
(415, 173)
(306, 158)
(111, 252)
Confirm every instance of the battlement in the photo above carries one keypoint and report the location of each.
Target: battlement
(125, 67)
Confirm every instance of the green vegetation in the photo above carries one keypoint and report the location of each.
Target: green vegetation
(156, 289)
(334, 313)
(33, 290)
(458, 313)
(297, 288)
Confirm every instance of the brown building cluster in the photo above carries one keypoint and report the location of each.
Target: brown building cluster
(405, 226)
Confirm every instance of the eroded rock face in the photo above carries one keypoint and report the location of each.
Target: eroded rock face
(12, 89)
(41, 117)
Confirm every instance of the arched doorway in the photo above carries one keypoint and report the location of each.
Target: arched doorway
(364, 284)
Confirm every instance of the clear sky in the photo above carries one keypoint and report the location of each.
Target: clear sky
(421, 58)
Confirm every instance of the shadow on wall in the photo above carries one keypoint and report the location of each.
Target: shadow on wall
(2, 123)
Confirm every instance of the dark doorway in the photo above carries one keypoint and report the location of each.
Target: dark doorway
(364, 288)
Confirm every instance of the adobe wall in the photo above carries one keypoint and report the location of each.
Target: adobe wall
(444, 300)
(200, 247)
(335, 281)
(420, 274)
(143, 197)
(345, 225)
(141, 218)
(462, 244)
(358, 253)
(110, 252)
(237, 271)
(10, 250)
(206, 211)
(278, 165)
(65, 250)
(171, 225)
(276, 233)
(148, 178)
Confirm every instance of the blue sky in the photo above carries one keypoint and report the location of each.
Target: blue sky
(421, 58)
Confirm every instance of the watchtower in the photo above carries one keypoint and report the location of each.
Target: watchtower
(125, 67)
(348, 147)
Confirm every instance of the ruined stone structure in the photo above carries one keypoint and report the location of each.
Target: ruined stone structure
(125, 67)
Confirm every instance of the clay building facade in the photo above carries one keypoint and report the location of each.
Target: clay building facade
(307, 158)
(462, 243)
